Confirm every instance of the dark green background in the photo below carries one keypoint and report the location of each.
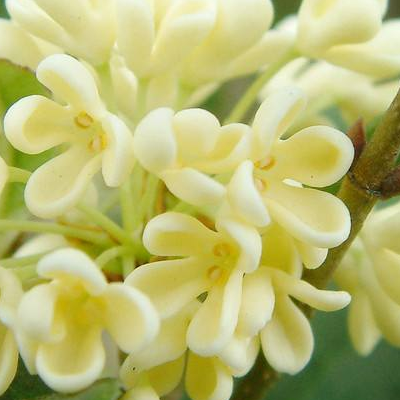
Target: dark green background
(336, 372)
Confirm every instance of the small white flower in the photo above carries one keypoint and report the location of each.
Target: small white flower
(97, 139)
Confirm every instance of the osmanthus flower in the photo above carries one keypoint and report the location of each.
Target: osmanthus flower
(60, 322)
(185, 148)
(326, 85)
(157, 370)
(83, 28)
(333, 30)
(95, 138)
(269, 184)
(10, 295)
(212, 262)
(370, 272)
(268, 308)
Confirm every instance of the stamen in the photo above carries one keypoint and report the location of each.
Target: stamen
(84, 120)
(222, 250)
(265, 164)
(214, 273)
(260, 184)
(99, 143)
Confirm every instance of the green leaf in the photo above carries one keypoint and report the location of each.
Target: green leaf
(30, 387)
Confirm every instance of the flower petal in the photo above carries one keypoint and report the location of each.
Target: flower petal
(73, 363)
(364, 332)
(315, 217)
(287, 340)
(118, 157)
(244, 197)
(60, 183)
(29, 129)
(317, 156)
(130, 317)
(274, 117)
(171, 284)
(193, 186)
(75, 265)
(312, 256)
(258, 302)
(176, 234)
(214, 324)
(207, 379)
(8, 358)
(10, 296)
(70, 81)
(154, 141)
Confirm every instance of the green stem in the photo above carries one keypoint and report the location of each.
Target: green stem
(18, 175)
(127, 206)
(104, 258)
(360, 191)
(250, 97)
(149, 198)
(15, 262)
(90, 236)
(128, 265)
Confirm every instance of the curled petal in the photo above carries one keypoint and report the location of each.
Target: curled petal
(60, 183)
(244, 197)
(141, 392)
(312, 216)
(193, 186)
(215, 381)
(287, 340)
(130, 318)
(248, 241)
(70, 81)
(28, 127)
(317, 156)
(73, 363)
(8, 359)
(214, 324)
(364, 332)
(118, 157)
(171, 284)
(324, 24)
(258, 302)
(10, 295)
(154, 142)
(176, 234)
(71, 264)
(275, 115)
(312, 256)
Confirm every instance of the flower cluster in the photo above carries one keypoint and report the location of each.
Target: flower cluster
(185, 258)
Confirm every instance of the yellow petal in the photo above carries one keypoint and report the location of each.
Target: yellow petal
(312, 216)
(172, 284)
(287, 340)
(317, 156)
(59, 184)
(130, 318)
(207, 379)
(312, 256)
(8, 359)
(176, 234)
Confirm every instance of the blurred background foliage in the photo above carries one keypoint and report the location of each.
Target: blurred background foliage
(336, 372)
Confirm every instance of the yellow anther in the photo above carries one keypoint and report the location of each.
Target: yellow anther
(265, 164)
(99, 143)
(84, 120)
(214, 273)
(222, 250)
(260, 184)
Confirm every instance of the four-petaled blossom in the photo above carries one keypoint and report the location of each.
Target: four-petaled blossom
(97, 139)
(214, 262)
(62, 321)
(370, 271)
(269, 185)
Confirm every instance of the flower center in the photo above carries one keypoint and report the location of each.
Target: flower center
(222, 250)
(266, 164)
(84, 120)
(214, 273)
(260, 184)
(98, 143)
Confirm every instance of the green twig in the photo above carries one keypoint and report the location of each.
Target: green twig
(104, 258)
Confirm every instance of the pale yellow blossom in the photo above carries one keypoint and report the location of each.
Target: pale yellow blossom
(214, 262)
(97, 139)
(370, 272)
(62, 321)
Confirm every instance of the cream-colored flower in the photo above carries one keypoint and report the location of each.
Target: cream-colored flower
(370, 271)
(350, 34)
(10, 295)
(82, 28)
(62, 321)
(183, 149)
(269, 185)
(268, 309)
(326, 85)
(213, 262)
(97, 139)
(21, 48)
